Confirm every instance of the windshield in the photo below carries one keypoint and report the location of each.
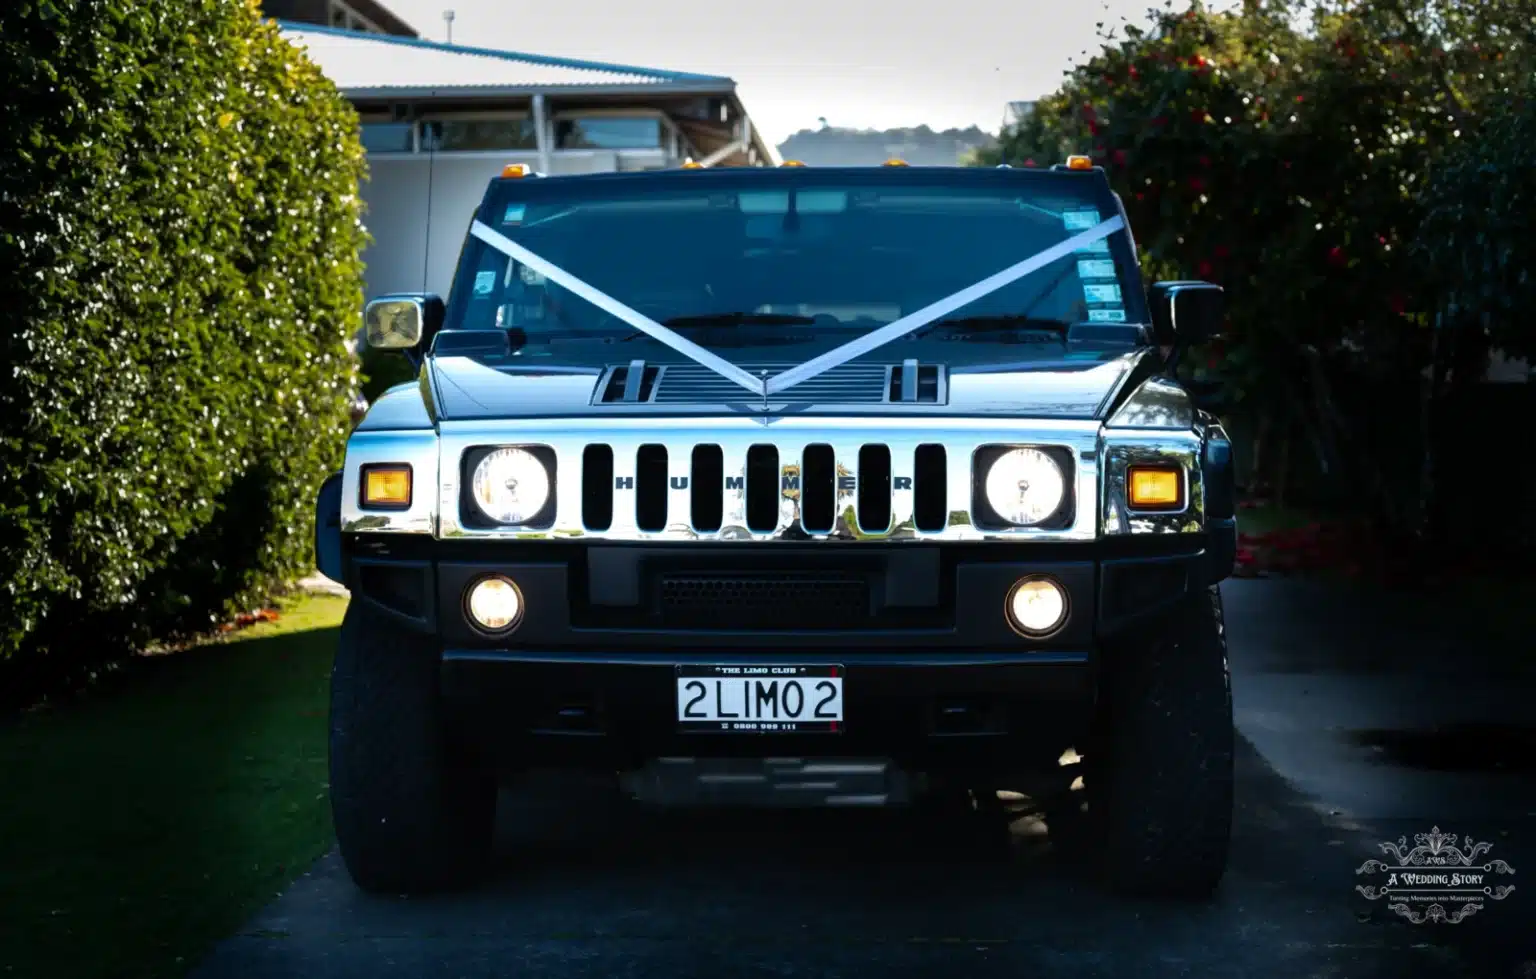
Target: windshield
(794, 262)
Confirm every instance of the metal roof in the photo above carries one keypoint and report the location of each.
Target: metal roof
(379, 63)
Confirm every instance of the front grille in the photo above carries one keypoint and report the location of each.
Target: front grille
(763, 601)
(669, 481)
(766, 488)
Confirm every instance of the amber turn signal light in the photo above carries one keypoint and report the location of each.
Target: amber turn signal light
(1076, 162)
(1155, 487)
(386, 486)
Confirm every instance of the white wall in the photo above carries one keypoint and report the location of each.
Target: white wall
(397, 208)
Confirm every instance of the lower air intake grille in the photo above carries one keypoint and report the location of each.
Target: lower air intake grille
(764, 601)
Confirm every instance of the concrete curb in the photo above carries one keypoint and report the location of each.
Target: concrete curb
(319, 584)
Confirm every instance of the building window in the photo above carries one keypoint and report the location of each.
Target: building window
(609, 133)
(465, 135)
(389, 137)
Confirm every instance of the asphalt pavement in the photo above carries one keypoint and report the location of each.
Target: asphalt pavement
(1360, 721)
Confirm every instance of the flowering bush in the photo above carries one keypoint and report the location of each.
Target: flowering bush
(179, 239)
(1299, 154)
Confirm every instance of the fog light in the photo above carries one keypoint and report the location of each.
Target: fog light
(1037, 606)
(495, 604)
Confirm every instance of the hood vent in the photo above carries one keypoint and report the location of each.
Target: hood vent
(628, 385)
(914, 383)
(849, 384)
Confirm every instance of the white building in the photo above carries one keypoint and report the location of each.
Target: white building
(440, 120)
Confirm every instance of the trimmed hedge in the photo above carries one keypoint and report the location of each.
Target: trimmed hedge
(180, 231)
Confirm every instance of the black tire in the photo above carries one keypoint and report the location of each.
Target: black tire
(410, 814)
(1160, 792)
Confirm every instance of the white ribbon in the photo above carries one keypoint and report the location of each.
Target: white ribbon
(856, 347)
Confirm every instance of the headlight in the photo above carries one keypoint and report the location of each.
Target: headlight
(1025, 486)
(510, 486)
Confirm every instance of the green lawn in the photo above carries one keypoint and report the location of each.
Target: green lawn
(143, 824)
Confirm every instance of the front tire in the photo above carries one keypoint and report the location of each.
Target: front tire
(1162, 807)
(410, 813)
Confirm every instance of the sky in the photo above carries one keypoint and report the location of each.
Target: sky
(858, 63)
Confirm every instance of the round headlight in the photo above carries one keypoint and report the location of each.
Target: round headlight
(495, 604)
(1025, 486)
(1037, 606)
(510, 486)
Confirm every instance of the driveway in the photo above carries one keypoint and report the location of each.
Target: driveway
(592, 885)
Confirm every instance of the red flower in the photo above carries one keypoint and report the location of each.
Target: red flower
(1196, 184)
(1030, 162)
(1301, 98)
(1134, 73)
(1220, 251)
(1093, 128)
(1159, 120)
(1119, 158)
(1204, 270)
(1397, 303)
(1336, 256)
(1140, 196)
(1205, 161)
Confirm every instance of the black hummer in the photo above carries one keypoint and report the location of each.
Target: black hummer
(862, 479)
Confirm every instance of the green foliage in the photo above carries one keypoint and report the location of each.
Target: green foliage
(179, 240)
(1342, 168)
(1477, 230)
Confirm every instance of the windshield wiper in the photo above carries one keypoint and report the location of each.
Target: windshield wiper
(740, 319)
(990, 324)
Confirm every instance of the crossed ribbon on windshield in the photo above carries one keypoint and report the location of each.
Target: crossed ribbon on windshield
(836, 357)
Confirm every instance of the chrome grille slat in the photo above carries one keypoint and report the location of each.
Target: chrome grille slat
(846, 466)
(626, 453)
(903, 467)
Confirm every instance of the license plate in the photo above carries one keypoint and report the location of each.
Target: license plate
(760, 699)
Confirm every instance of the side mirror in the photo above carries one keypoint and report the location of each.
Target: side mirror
(403, 322)
(1185, 313)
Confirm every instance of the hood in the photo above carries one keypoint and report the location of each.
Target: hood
(1074, 384)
